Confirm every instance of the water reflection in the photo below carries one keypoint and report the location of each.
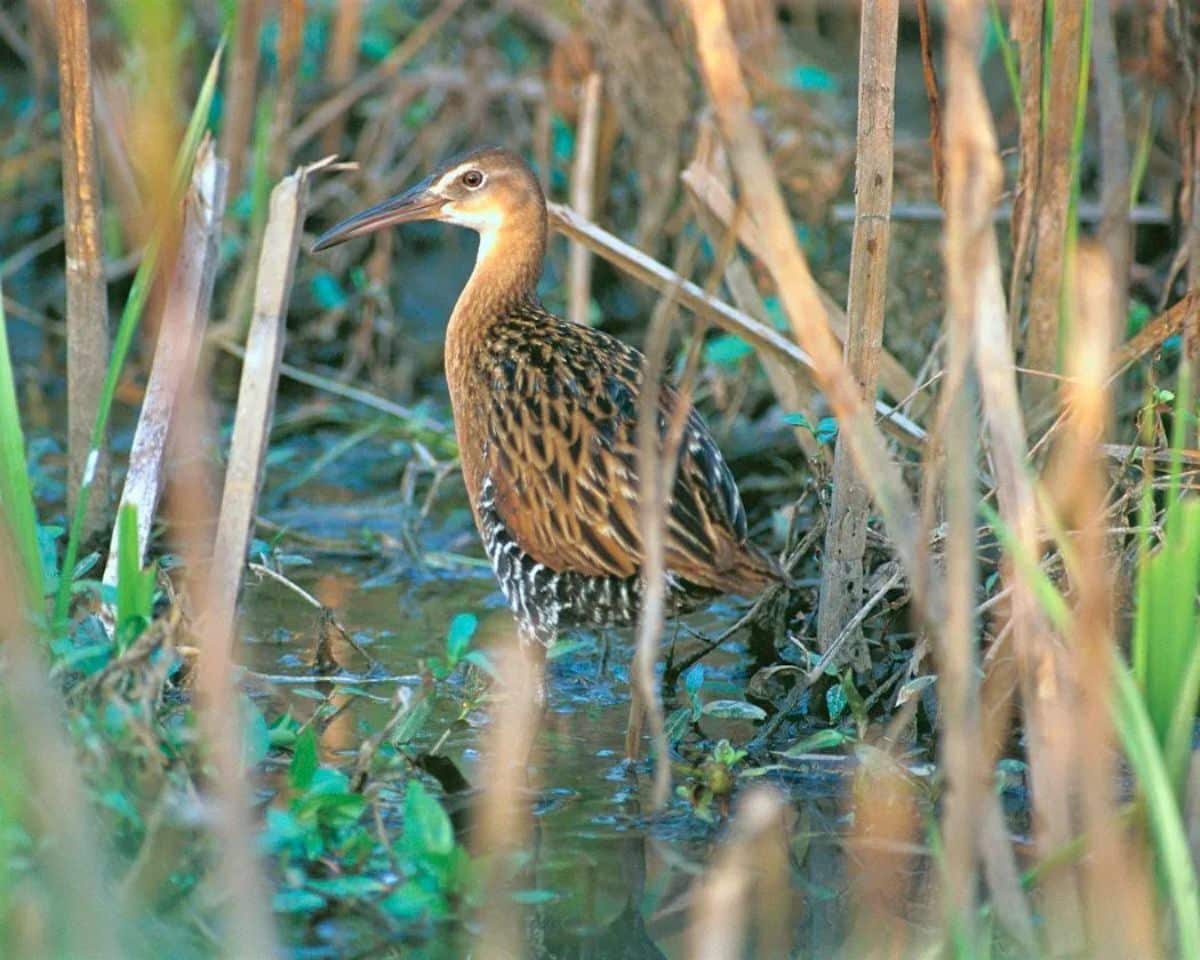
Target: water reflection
(602, 879)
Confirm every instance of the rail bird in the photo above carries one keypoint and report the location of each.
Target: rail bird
(545, 413)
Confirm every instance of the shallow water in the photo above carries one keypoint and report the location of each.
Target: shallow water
(606, 880)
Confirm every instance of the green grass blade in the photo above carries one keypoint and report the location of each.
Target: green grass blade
(130, 318)
(128, 566)
(1007, 54)
(1170, 837)
(16, 497)
(1052, 602)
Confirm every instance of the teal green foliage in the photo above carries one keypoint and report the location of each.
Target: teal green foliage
(327, 849)
(825, 431)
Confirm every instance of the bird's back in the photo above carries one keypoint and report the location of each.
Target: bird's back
(554, 433)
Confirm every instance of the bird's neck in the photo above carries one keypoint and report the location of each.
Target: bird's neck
(507, 269)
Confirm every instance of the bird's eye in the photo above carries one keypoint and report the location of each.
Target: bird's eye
(472, 179)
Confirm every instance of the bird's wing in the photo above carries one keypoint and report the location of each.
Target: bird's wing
(562, 456)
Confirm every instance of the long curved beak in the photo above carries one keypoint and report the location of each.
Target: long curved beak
(416, 203)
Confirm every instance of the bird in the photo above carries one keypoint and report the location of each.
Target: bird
(545, 413)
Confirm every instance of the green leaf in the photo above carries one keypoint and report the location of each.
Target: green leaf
(480, 659)
(733, 710)
(820, 740)
(304, 760)
(835, 702)
(348, 886)
(256, 739)
(135, 586)
(726, 754)
(726, 349)
(827, 430)
(297, 901)
(326, 291)
(458, 640)
(426, 826)
(811, 78)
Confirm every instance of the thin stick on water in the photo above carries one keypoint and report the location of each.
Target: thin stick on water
(180, 338)
(583, 193)
(850, 507)
(87, 297)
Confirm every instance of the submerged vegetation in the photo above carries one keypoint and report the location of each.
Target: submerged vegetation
(258, 693)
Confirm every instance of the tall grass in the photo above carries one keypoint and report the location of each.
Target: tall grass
(16, 497)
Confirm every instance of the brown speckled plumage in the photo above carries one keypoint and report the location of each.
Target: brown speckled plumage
(546, 417)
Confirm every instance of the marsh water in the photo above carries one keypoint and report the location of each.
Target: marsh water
(605, 877)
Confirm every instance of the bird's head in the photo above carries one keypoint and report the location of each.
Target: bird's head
(486, 190)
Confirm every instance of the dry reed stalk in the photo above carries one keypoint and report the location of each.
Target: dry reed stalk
(180, 338)
(87, 296)
(748, 878)
(1026, 28)
(970, 187)
(339, 104)
(502, 817)
(1114, 152)
(583, 195)
(1116, 884)
(929, 75)
(801, 300)
(881, 858)
(239, 878)
(256, 401)
(250, 932)
(974, 179)
(649, 271)
(1052, 208)
(711, 191)
(658, 459)
(287, 54)
(65, 835)
(241, 93)
(340, 64)
(850, 508)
